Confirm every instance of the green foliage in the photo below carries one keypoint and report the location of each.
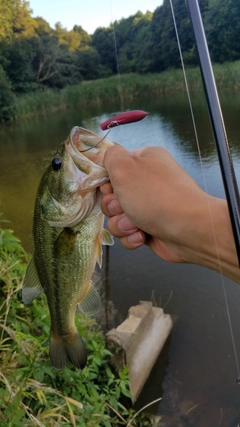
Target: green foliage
(223, 29)
(163, 40)
(75, 39)
(7, 14)
(87, 62)
(35, 57)
(107, 90)
(23, 24)
(6, 97)
(19, 65)
(103, 42)
(15, 19)
(31, 392)
(133, 41)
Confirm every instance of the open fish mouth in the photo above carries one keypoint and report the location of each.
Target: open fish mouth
(68, 236)
(88, 145)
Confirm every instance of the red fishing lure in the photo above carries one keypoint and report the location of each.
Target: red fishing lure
(124, 118)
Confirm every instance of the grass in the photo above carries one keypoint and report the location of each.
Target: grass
(31, 392)
(130, 86)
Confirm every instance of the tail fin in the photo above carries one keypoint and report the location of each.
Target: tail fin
(67, 349)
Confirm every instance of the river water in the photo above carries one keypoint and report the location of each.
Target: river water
(195, 375)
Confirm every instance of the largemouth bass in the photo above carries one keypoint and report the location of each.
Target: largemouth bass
(68, 234)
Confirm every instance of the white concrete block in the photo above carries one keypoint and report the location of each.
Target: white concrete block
(138, 341)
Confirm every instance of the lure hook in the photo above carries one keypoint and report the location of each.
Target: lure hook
(90, 148)
(119, 119)
(124, 118)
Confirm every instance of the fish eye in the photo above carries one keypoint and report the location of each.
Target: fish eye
(56, 164)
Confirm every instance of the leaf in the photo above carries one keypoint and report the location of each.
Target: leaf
(16, 399)
(124, 390)
(41, 396)
(52, 412)
(71, 414)
(74, 402)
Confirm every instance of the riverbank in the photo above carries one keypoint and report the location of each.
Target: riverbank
(128, 87)
(34, 393)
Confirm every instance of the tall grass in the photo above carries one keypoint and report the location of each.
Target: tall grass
(31, 392)
(129, 86)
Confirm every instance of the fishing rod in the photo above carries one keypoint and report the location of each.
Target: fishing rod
(220, 136)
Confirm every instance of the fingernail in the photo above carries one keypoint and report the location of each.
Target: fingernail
(125, 225)
(135, 238)
(114, 207)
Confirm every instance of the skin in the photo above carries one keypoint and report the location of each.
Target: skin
(152, 200)
(68, 234)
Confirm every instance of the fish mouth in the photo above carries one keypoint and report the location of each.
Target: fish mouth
(83, 174)
(87, 152)
(89, 145)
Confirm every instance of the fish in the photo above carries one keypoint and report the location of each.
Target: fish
(68, 237)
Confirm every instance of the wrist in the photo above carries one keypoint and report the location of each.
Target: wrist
(213, 244)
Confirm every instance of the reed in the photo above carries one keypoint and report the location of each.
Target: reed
(130, 86)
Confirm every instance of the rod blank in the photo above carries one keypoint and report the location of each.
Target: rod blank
(225, 160)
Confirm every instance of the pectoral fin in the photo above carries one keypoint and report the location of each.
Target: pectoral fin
(31, 285)
(106, 238)
(91, 303)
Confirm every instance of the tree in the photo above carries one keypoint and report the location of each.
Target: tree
(88, 63)
(53, 63)
(42, 27)
(85, 38)
(7, 15)
(142, 59)
(23, 24)
(16, 20)
(20, 55)
(6, 97)
(133, 41)
(33, 55)
(223, 29)
(74, 39)
(164, 43)
(103, 42)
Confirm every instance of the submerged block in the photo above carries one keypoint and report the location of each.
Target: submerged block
(138, 341)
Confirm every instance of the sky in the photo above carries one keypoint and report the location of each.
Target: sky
(90, 14)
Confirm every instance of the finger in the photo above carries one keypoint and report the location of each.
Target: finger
(133, 241)
(106, 188)
(110, 205)
(114, 158)
(121, 226)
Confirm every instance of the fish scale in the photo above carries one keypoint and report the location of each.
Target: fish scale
(68, 234)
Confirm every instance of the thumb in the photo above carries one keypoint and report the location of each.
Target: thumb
(114, 160)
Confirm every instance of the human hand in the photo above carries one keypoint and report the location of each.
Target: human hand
(148, 199)
(151, 199)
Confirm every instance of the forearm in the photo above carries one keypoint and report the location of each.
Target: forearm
(212, 244)
(152, 199)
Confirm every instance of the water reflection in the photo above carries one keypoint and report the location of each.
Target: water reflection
(197, 368)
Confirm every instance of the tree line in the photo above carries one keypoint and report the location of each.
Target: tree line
(34, 56)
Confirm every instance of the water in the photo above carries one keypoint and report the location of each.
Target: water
(196, 372)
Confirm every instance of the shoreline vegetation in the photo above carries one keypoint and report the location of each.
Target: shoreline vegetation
(31, 392)
(36, 57)
(128, 86)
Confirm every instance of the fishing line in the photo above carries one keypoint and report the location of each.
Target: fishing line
(206, 190)
(101, 140)
(117, 60)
